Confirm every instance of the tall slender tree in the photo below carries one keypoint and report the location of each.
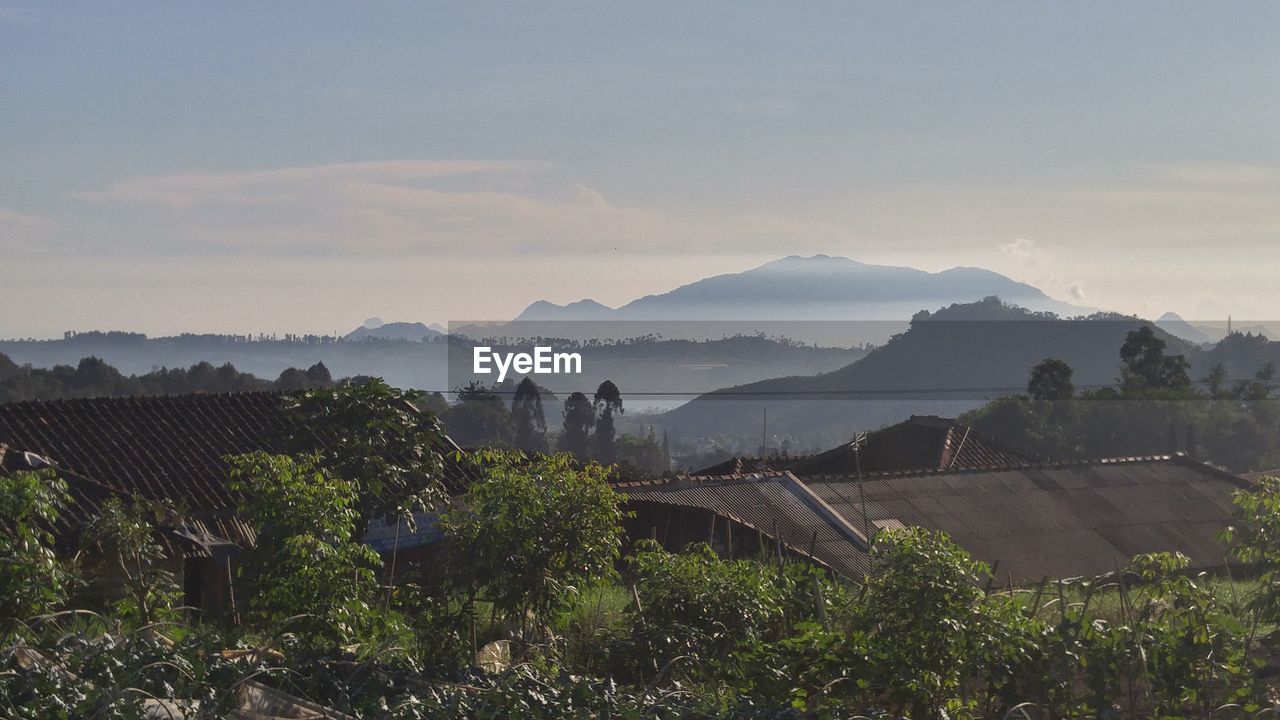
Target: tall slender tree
(527, 415)
(607, 400)
(579, 416)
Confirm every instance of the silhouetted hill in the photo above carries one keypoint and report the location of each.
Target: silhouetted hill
(411, 331)
(947, 362)
(812, 288)
(1173, 324)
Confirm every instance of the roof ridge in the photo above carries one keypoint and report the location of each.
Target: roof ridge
(1179, 457)
(140, 398)
(1037, 465)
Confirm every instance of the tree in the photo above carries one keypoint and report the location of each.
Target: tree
(1051, 381)
(607, 400)
(579, 416)
(375, 437)
(307, 566)
(480, 417)
(1146, 367)
(532, 530)
(527, 415)
(32, 579)
(120, 542)
(1216, 382)
(318, 375)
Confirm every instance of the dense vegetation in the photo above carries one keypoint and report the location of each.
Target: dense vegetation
(92, 377)
(1155, 407)
(535, 608)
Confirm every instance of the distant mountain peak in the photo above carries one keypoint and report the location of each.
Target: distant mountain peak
(585, 309)
(412, 331)
(1173, 324)
(815, 287)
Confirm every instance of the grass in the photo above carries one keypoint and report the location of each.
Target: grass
(589, 624)
(1104, 601)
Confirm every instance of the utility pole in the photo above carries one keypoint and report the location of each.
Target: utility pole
(858, 441)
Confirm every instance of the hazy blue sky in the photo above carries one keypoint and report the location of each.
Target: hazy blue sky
(237, 167)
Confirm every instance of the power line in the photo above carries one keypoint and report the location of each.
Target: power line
(848, 391)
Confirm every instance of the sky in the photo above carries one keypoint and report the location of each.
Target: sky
(301, 166)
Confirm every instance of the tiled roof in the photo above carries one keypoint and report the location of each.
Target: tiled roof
(167, 448)
(923, 442)
(739, 465)
(1055, 520)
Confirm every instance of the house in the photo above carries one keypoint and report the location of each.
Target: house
(1027, 521)
(169, 450)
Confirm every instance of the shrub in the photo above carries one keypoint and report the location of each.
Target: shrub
(695, 604)
(32, 578)
(532, 531)
(308, 571)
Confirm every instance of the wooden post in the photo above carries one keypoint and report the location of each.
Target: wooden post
(231, 593)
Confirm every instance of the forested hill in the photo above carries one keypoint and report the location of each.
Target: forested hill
(443, 362)
(92, 377)
(947, 362)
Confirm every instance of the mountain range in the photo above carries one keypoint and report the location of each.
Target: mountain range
(819, 287)
(947, 362)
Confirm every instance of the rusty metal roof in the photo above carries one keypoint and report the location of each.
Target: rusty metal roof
(1055, 520)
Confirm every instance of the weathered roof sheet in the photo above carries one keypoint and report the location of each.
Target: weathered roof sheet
(776, 505)
(1055, 520)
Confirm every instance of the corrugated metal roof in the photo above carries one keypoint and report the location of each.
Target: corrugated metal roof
(1055, 520)
(776, 505)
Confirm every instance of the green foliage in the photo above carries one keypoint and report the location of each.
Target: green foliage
(72, 670)
(607, 401)
(1146, 367)
(695, 604)
(94, 377)
(1154, 411)
(925, 624)
(32, 578)
(308, 572)
(528, 418)
(532, 530)
(120, 543)
(579, 417)
(1254, 538)
(1051, 381)
(481, 417)
(374, 437)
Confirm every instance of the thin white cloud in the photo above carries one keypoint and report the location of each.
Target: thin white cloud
(264, 187)
(23, 232)
(1026, 251)
(424, 207)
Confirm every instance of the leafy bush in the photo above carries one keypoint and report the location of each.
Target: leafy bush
(695, 604)
(533, 531)
(120, 543)
(308, 572)
(32, 578)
